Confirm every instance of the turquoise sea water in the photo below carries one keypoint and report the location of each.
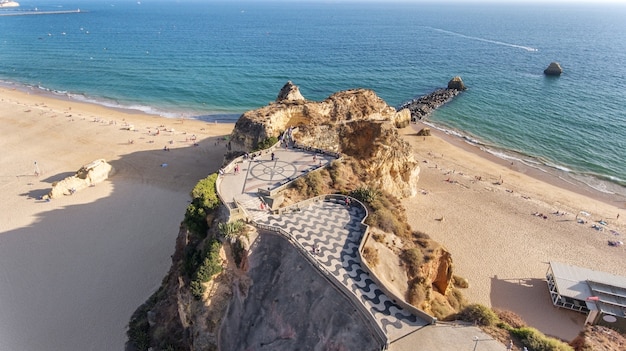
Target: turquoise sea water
(215, 60)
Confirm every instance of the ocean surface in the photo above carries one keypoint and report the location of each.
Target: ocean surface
(215, 60)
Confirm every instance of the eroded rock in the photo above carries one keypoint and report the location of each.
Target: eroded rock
(554, 69)
(88, 175)
(355, 123)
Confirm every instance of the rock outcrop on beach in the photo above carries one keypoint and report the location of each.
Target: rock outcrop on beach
(554, 69)
(423, 106)
(88, 175)
(355, 123)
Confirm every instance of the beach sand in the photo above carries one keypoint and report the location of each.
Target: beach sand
(495, 240)
(74, 269)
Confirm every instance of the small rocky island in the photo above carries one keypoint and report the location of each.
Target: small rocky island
(554, 69)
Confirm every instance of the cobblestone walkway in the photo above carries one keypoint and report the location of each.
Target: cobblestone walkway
(331, 232)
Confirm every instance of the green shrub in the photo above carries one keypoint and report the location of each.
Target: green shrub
(479, 314)
(266, 143)
(197, 289)
(537, 341)
(205, 193)
(365, 194)
(196, 219)
(191, 261)
(204, 201)
(232, 230)
(211, 263)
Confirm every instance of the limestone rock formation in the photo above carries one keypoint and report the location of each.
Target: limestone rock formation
(424, 132)
(88, 175)
(554, 69)
(456, 83)
(356, 123)
(439, 270)
(289, 92)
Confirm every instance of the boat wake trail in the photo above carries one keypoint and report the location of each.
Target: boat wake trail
(527, 48)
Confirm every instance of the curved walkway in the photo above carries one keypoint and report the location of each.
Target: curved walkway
(331, 232)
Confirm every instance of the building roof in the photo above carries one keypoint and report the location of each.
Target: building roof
(608, 290)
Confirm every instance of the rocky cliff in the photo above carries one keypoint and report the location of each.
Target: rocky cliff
(356, 123)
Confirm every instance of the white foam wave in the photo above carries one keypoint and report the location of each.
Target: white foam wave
(527, 48)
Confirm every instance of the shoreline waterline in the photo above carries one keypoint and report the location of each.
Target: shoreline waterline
(559, 175)
(525, 164)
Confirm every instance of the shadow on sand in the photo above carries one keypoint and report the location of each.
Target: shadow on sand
(530, 299)
(87, 261)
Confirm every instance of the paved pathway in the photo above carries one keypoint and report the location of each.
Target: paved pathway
(331, 232)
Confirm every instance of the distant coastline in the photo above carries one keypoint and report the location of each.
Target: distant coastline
(36, 12)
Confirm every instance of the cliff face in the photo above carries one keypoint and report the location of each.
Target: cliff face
(356, 123)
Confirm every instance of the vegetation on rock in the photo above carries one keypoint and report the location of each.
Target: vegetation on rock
(505, 326)
(204, 202)
(266, 143)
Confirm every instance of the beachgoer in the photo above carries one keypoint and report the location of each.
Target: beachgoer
(510, 346)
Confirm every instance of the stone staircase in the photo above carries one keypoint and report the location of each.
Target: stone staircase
(251, 204)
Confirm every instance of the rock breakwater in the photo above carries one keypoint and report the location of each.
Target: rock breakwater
(423, 106)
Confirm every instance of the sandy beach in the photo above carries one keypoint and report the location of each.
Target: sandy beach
(74, 269)
(486, 213)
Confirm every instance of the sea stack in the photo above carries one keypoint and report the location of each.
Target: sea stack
(289, 92)
(553, 70)
(456, 83)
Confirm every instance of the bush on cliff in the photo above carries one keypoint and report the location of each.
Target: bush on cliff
(537, 341)
(206, 192)
(310, 185)
(210, 264)
(479, 314)
(204, 202)
(195, 219)
(266, 143)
